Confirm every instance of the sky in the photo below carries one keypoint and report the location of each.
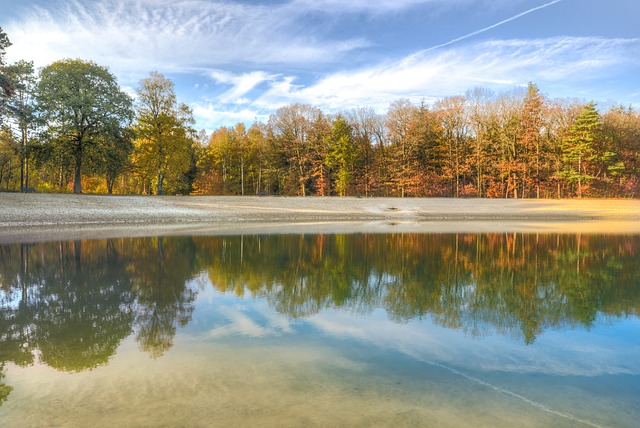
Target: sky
(239, 61)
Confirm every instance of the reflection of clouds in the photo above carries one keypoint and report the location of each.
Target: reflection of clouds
(240, 324)
(609, 348)
(246, 317)
(577, 353)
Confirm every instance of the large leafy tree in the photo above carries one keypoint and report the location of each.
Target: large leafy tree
(5, 82)
(165, 139)
(111, 156)
(20, 109)
(81, 102)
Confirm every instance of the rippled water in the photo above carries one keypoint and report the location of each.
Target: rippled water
(322, 330)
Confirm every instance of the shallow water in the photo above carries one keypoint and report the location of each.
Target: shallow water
(322, 330)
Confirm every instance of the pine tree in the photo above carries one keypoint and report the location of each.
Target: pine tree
(577, 147)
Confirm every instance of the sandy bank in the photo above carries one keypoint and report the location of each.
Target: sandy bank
(46, 216)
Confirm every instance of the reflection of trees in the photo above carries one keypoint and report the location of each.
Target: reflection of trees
(74, 302)
(84, 307)
(516, 284)
(71, 301)
(163, 267)
(5, 389)
(298, 274)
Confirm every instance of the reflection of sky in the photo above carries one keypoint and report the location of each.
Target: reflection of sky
(611, 347)
(9, 300)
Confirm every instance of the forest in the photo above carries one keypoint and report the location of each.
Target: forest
(70, 127)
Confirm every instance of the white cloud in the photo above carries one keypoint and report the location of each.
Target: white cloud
(377, 7)
(434, 74)
(555, 353)
(171, 36)
(240, 84)
(427, 76)
(209, 116)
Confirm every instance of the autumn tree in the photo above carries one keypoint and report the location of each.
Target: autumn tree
(164, 137)
(455, 137)
(368, 132)
(259, 169)
(80, 102)
(226, 156)
(621, 126)
(398, 122)
(531, 123)
(295, 134)
(502, 147)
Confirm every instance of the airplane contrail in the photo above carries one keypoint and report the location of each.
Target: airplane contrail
(490, 27)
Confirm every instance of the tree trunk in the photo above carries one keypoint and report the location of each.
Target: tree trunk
(259, 181)
(579, 176)
(160, 183)
(242, 175)
(77, 176)
(110, 183)
(22, 152)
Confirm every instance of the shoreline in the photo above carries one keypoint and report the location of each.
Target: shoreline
(29, 217)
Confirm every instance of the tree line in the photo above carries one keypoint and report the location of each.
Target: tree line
(70, 127)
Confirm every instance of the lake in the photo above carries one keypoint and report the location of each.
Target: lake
(405, 329)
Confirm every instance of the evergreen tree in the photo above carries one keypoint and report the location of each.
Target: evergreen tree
(578, 148)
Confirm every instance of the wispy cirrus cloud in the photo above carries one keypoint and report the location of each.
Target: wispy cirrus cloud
(384, 6)
(498, 64)
(175, 36)
(240, 84)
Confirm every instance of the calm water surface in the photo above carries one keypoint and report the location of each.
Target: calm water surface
(322, 330)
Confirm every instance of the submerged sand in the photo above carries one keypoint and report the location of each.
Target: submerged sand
(25, 217)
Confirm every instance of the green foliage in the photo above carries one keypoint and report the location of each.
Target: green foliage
(9, 161)
(111, 155)
(4, 44)
(81, 103)
(165, 141)
(6, 85)
(342, 155)
(20, 111)
(578, 148)
(5, 389)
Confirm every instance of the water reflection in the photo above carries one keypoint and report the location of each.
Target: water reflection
(72, 303)
(513, 284)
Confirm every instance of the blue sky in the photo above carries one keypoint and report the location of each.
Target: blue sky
(237, 61)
